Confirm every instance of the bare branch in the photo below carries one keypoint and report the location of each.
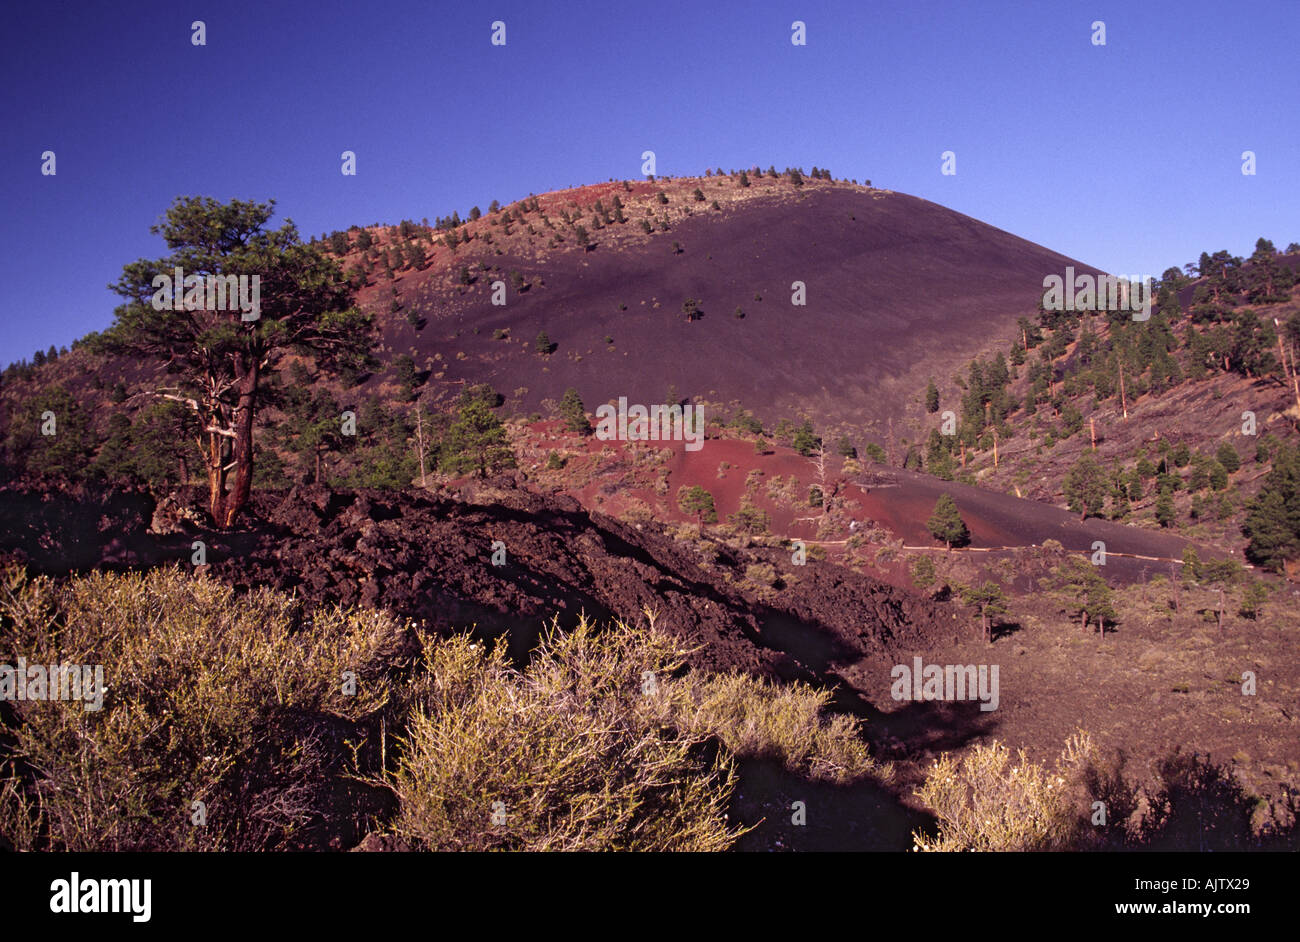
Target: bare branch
(192, 403)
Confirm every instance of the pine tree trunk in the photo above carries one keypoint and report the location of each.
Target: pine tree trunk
(216, 473)
(242, 453)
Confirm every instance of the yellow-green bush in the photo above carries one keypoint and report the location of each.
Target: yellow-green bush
(565, 754)
(757, 718)
(211, 697)
(605, 740)
(990, 800)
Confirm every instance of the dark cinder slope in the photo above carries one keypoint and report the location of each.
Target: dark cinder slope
(898, 289)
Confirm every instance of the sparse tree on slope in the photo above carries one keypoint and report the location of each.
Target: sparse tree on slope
(477, 440)
(989, 600)
(1086, 487)
(574, 412)
(946, 524)
(696, 500)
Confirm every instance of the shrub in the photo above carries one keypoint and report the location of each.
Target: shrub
(571, 753)
(232, 701)
(756, 718)
(985, 801)
(601, 743)
(923, 574)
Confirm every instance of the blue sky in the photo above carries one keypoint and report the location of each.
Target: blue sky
(1126, 156)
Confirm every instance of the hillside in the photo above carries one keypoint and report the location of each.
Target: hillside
(897, 289)
(1209, 396)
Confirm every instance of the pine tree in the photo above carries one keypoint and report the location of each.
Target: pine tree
(574, 413)
(806, 441)
(946, 524)
(1086, 487)
(1091, 596)
(1228, 457)
(63, 455)
(931, 397)
(405, 374)
(543, 343)
(1266, 280)
(1165, 513)
(224, 361)
(989, 600)
(1272, 522)
(694, 499)
(115, 460)
(476, 441)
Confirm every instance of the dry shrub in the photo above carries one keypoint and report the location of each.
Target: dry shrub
(991, 801)
(604, 742)
(985, 801)
(211, 697)
(756, 718)
(565, 754)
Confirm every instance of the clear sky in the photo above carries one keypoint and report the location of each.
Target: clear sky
(1126, 156)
